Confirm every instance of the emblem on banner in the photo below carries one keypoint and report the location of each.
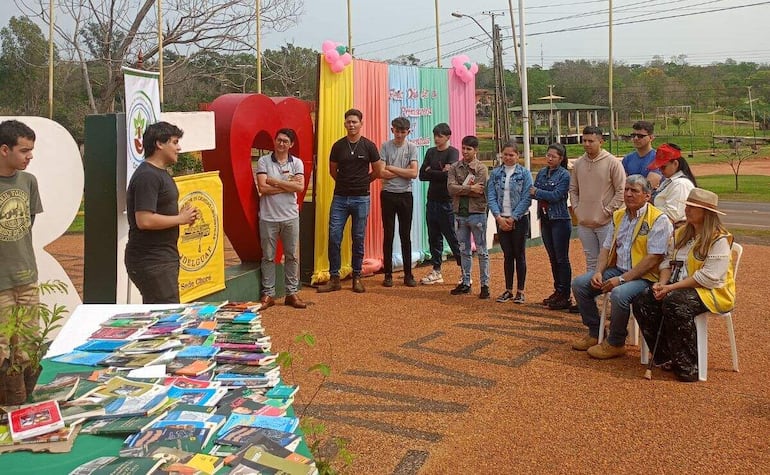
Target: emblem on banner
(140, 115)
(198, 241)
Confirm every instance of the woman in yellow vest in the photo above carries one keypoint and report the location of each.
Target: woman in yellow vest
(698, 278)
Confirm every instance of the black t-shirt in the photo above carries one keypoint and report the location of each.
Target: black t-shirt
(152, 189)
(353, 165)
(432, 171)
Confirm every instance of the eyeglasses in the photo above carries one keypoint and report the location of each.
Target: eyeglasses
(638, 136)
(553, 155)
(283, 141)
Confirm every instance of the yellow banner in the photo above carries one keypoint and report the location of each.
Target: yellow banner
(201, 245)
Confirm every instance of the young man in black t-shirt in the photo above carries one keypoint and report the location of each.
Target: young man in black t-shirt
(438, 208)
(354, 162)
(152, 256)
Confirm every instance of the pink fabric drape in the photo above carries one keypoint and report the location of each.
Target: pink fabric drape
(462, 108)
(370, 96)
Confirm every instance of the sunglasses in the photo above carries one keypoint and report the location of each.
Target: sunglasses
(638, 136)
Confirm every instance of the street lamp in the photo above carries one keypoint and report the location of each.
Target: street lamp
(461, 15)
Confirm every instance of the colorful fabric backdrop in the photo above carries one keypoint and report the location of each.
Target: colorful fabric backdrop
(426, 96)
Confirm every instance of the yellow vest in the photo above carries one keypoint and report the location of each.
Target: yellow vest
(721, 299)
(639, 244)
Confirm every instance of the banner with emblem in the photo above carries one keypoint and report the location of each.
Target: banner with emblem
(142, 109)
(201, 244)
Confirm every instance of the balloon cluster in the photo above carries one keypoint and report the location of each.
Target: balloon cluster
(337, 55)
(464, 68)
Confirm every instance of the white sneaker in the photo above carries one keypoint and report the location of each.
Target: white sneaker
(433, 278)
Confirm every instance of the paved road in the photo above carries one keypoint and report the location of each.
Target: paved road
(746, 215)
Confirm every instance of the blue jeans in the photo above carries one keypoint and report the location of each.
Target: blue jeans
(356, 207)
(441, 225)
(556, 234)
(476, 225)
(620, 303)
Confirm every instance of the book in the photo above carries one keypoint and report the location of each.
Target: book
(147, 403)
(229, 356)
(119, 465)
(190, 367)
(198, 352)
(283, 423)
(196, 464)
(274, 448)
(122, 387)
(123, 425)
(116, 333)
(185, 382)
(269, 369)
(107, 346)
(148, 441)
(150, 345)
(198, 396)
(80, 412)
(248, 347)
(85, 358)
(282, 391)
(241, 436)
(120, 360)
(61, 388)
(257, 458)
(65, 433)
(35, 419)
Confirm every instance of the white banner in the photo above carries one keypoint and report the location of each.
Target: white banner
(142, 109)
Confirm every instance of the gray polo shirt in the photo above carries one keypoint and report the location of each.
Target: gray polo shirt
(283, 206)
(399, 157)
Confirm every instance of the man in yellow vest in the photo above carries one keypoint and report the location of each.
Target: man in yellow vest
(627, 265)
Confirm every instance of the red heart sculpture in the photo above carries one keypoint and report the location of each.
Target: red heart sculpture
(243, 122)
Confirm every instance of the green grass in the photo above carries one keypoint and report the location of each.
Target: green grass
(78, 224)
(754, 188)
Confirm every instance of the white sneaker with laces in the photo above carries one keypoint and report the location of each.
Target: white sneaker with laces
(433, 278)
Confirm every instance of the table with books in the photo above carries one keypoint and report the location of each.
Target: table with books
(158, 389)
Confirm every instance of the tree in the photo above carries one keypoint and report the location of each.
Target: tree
(104, 35)
(290, 71)
(23, 67)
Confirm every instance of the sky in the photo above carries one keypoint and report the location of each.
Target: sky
(705, 31)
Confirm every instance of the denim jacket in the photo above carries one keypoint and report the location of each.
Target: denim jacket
(553, 188)
(521, 181)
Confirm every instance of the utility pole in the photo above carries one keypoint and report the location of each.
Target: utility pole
(753, 122)
(497, 67)
(504, 119)
(612, 109)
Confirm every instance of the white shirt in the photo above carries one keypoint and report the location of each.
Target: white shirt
(713, 274)
(507, 209)
(671, 195)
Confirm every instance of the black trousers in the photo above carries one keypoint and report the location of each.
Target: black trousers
(397, 204)
(678, 338)
(158, 283)
(513, 243)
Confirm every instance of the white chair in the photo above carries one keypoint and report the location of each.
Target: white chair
(701, 328)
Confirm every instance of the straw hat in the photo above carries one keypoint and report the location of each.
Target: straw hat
(703, 199)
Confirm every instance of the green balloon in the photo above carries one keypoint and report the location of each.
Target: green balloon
(341, 49)
(468, 66)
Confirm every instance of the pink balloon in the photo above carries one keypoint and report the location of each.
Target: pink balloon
(346, 59)
(337, 67)
(332, 56)
(327, 45)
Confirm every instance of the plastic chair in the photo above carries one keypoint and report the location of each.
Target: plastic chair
(701, 328)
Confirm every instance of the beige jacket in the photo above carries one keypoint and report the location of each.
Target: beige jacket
(596, 188)
(459, 184)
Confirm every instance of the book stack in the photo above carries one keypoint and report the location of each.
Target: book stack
(195, 387)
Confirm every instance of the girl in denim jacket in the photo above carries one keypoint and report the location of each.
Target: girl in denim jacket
(508, 198)
(551, 190)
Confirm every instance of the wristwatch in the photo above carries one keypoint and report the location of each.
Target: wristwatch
(621, 280)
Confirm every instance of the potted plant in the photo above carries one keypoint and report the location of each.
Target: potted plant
(24, 341)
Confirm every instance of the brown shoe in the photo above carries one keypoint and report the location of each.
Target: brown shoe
(293, 300)
(358, 285)
(585, 343)
(606, 351)
(332, 286)
(267, 302)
